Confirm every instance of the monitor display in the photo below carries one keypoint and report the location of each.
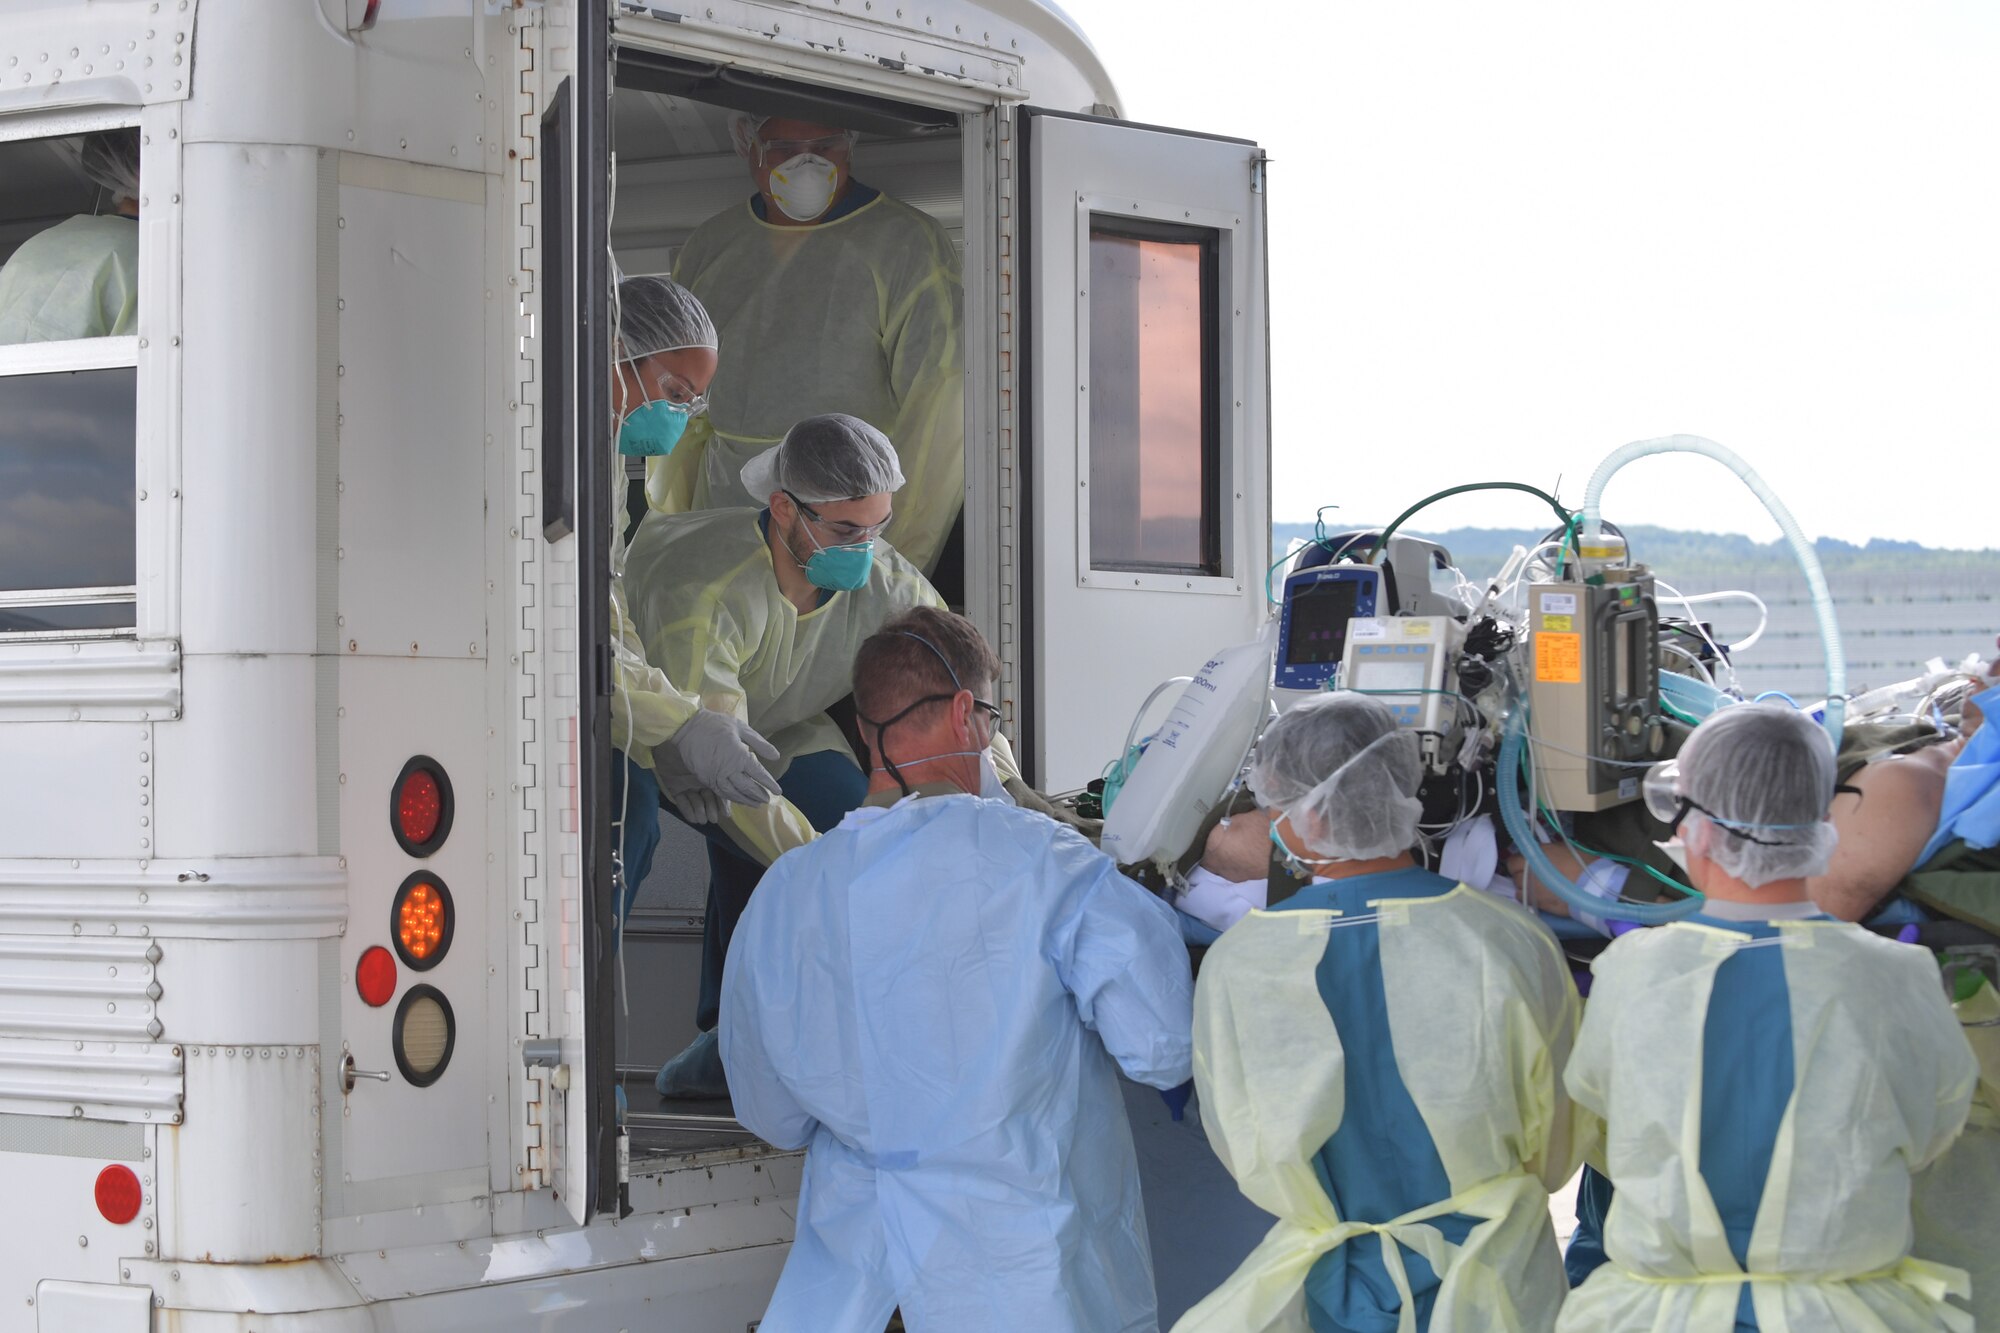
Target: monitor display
(1319, 622)
(1375, 673)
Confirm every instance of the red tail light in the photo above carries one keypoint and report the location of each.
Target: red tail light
(420, 806)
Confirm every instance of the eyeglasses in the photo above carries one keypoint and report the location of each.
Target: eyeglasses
(676, 389)
(846, 532)
(784, 150)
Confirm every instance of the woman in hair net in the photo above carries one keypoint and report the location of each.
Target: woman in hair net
(80, 278)
(1379, 1062)
(665, 358)
(837, 298)
(1769, 1078)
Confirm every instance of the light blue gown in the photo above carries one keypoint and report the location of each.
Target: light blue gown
(935, 1000)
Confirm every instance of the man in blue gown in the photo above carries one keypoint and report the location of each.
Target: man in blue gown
(935, 999)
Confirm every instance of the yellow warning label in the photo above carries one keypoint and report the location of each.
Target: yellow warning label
(1559, 624)
(1416, 629)
(1559, 659)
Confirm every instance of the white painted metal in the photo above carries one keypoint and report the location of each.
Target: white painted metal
(60, 1236)
(93, 1307)
(412, 502)
(402, 1145)
(340, 565)
(239, 1180)
(120, 52)
(75, 681)
(1142, 628)
(137, 1079)
(555, 1099)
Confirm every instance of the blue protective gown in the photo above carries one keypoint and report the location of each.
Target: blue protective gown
(1746, 1083)
(1381, 1162)
(935, 1001)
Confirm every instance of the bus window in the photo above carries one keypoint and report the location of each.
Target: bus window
(1155, 435)
(69, 237)
(68, 520)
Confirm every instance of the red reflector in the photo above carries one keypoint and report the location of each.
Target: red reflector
(419, 806)
(118, 1194)
(375, 976)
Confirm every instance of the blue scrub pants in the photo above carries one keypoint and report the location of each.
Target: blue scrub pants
(824, 786)
(635, 793)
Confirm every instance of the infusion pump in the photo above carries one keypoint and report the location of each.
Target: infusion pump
(1406, 662)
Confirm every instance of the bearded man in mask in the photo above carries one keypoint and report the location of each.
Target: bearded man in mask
(831, 297)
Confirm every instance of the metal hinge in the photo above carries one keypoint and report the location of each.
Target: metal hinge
(1257, 171)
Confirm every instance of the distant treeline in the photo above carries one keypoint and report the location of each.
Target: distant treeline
(1480, 552)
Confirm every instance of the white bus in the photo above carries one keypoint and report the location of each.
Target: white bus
(302, 610)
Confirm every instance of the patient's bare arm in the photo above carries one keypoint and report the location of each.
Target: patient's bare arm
(1240, 849)
(1882, 831)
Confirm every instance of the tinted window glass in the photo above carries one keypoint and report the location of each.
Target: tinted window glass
(67, 514)
(1154, 435)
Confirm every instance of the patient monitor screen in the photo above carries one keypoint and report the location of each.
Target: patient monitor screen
(1377, 674)
(1319, 623)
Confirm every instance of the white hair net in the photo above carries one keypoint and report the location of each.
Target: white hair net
(1344, 774)
(657, 314)
(1761, 777)
(826, 459)
(743, 129)
(110, 159)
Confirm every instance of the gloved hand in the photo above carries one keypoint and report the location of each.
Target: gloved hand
(722, 754)
(1176, 1098)
(696, 803)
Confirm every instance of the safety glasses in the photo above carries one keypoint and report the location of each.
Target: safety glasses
(846, 533)
(772, 151)
(675, 389)
(1660, 789)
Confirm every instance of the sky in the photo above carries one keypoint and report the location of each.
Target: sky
(1506, 238)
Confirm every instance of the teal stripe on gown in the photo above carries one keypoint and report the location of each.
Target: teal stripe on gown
(1381, 1162)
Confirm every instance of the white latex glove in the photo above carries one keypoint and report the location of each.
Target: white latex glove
(723, 754)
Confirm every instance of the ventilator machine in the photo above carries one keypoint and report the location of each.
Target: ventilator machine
(1539, 695)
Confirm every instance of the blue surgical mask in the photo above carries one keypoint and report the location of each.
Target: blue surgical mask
(651, 430)
(841, 568)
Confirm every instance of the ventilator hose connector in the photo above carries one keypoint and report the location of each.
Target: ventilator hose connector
(1829, 629)
(1521, 828)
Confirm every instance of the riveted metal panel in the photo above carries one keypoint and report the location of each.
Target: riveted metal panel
(124, 52)
(79, 1019)
(240, 1178)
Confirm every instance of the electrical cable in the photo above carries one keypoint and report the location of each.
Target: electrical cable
(1563, 515)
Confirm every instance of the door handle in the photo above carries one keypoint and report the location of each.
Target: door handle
(348, 1073)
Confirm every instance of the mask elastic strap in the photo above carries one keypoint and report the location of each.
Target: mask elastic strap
(882, 728)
